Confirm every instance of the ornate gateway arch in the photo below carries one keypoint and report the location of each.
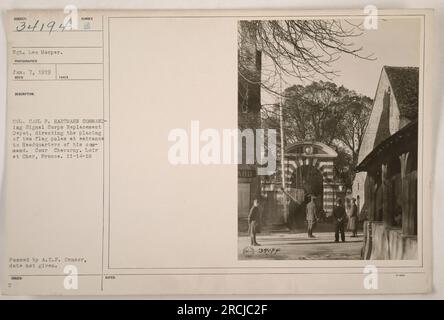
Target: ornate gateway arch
(304, 161)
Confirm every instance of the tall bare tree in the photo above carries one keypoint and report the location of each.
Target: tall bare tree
(271, 51)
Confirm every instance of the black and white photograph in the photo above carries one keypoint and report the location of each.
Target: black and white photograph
(341, 97)
(228, 153)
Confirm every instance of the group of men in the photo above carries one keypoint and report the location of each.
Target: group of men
(339, 215)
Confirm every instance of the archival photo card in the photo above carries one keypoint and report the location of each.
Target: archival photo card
(218, 152)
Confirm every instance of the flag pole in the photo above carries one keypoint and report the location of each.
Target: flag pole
(281, 125)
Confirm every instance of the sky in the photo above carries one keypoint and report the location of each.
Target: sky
(396, 42)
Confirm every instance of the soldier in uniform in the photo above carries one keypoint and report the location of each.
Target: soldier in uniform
(311, 216)
(353, 219)
(339, 215)
(253, 222)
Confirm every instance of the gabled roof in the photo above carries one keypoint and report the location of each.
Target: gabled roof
(405, 84)
(402, 139)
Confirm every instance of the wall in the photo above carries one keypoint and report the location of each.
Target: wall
(358, 189)
(368, 143)
(383, 243)
(369, 140)
(384, 121)
(249, 117)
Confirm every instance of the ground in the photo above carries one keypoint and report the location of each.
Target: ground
(295, 245)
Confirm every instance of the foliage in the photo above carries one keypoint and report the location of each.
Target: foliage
(325, 112)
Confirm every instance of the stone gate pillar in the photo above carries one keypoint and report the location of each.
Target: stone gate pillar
(326, 168)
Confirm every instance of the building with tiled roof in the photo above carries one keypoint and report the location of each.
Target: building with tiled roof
(385, 185)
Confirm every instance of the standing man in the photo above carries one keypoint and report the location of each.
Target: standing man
(339, 215)
(253, 222)
(311, 216)
(353, 222)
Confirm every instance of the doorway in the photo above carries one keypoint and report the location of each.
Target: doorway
(243, 203)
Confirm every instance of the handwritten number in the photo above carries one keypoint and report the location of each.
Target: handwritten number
(40, 26)
(21, 26)
(51, 26)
